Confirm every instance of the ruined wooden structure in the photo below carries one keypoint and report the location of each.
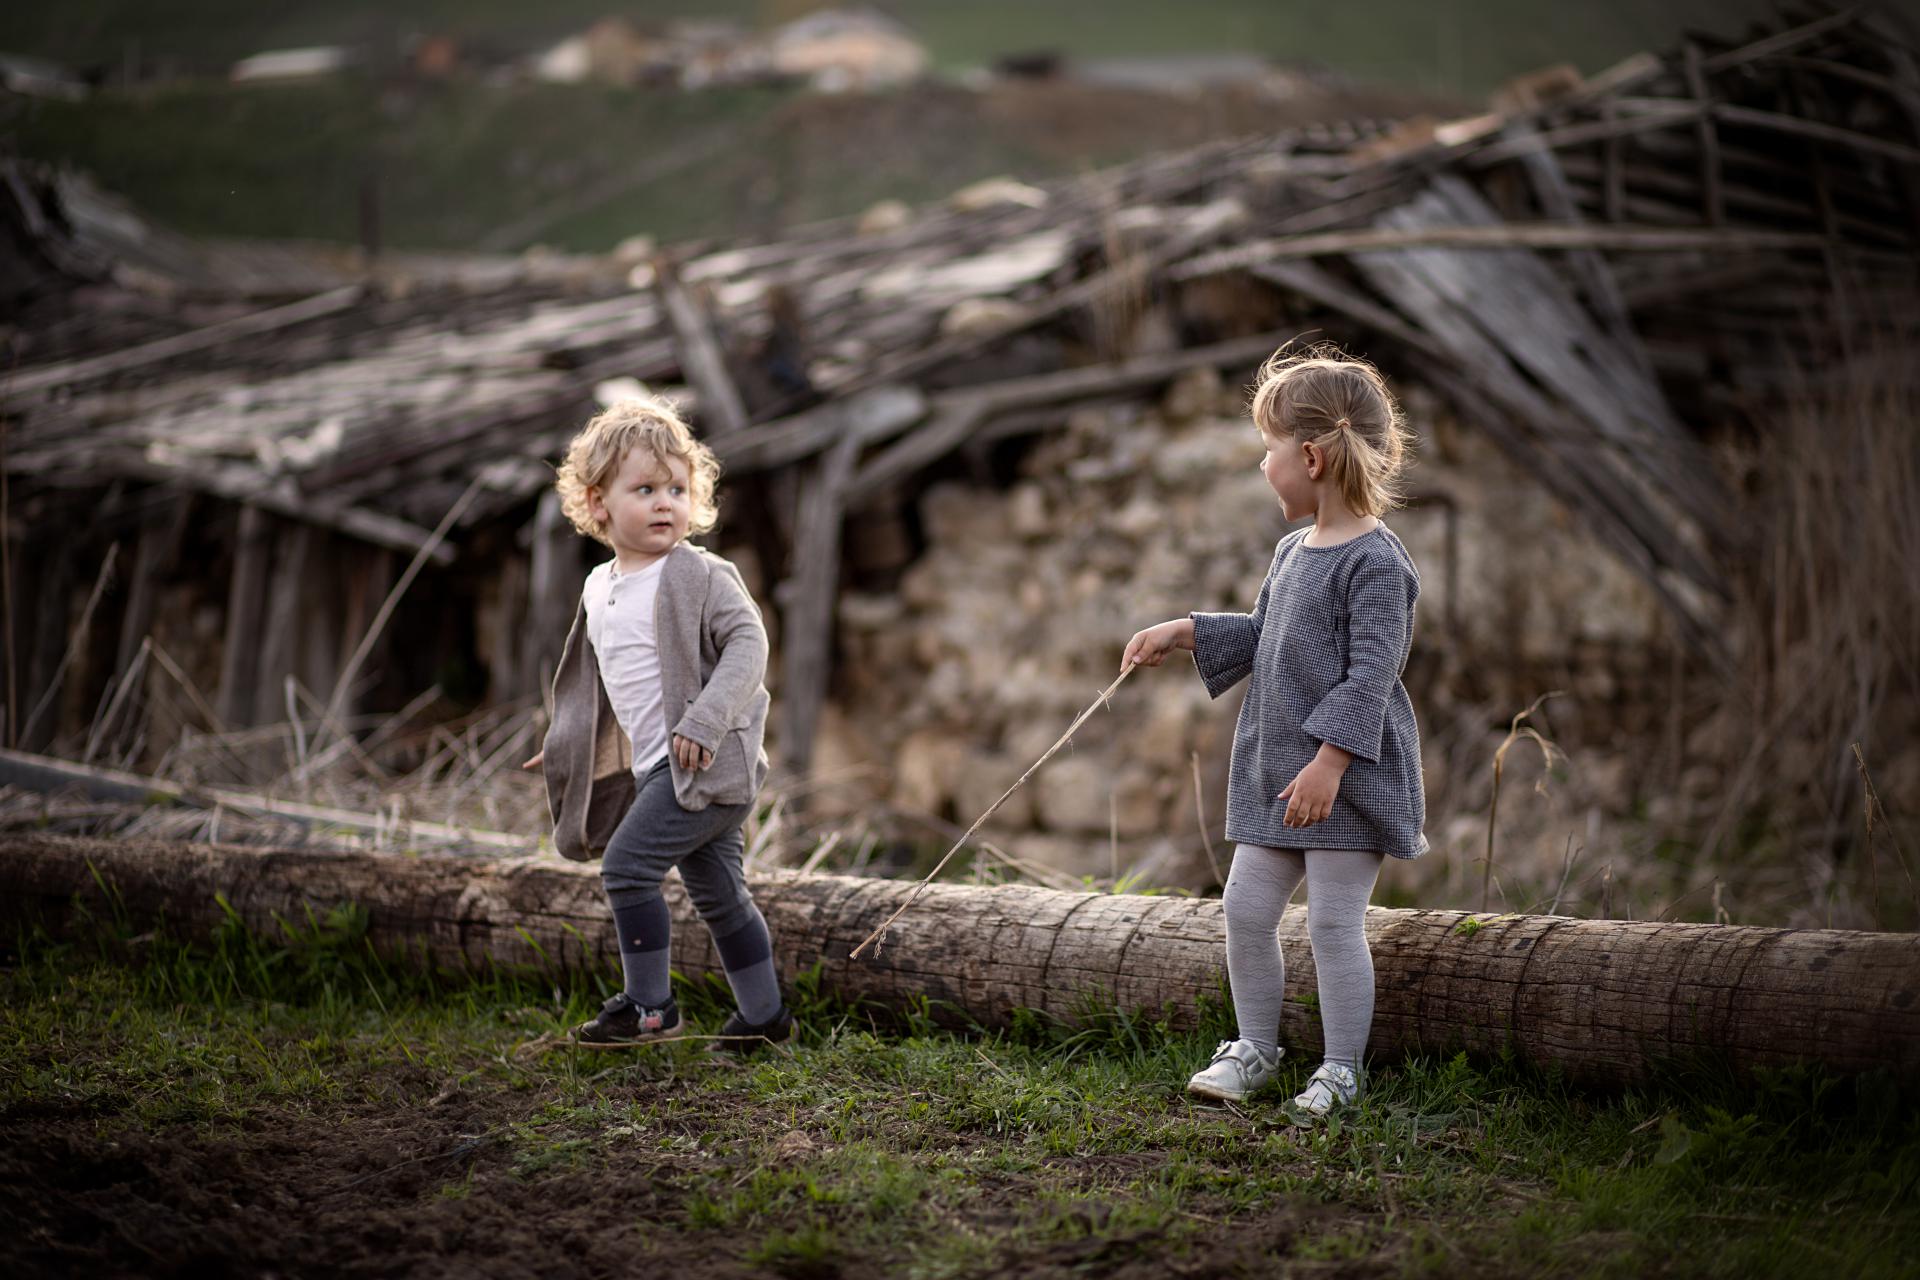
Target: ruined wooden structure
(1605, 1001)
(1597, 275)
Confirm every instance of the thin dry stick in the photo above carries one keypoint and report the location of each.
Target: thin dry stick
(76, 642)
(347, 673)
(1200, 816)
(1059, 742)
(165, 659)
(1875, 808)
(129, 679)
(394, 723)
(1113, 836)
(1514, 733)
(6, 586)
(1566, 869)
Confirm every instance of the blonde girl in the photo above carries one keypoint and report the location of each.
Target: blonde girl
(1325, 774)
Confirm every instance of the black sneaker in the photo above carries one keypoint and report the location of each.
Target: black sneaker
(737, 1035)
(622, 1023)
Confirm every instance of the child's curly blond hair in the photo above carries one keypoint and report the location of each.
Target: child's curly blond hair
(1342, 404)
(646, 423)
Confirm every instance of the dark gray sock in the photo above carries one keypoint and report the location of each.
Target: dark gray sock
(747, 954)
(645, 931)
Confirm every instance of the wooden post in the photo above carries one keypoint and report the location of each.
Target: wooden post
(807, 599)
(246, 596)
(155, 558)
(287, 594)
(1709, 139)
(553, 589)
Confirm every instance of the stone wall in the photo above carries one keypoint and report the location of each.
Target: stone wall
(1014, 615)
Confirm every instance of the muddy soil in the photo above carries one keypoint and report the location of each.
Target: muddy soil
(426, 1182)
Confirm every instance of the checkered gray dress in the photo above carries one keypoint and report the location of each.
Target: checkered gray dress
(1325, 646)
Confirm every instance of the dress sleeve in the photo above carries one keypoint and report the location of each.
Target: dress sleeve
(1224, 643)
(1353, 714)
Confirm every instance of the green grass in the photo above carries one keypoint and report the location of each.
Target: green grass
(883, 1142)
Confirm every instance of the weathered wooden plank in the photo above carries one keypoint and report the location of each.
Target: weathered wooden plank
(1606, 1001)
(721, 408)
(807, 600)
(246, 602)
(32, 381)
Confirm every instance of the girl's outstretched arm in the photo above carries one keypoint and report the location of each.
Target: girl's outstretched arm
(1150, 648)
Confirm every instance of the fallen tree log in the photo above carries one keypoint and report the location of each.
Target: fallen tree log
(1605, 1000)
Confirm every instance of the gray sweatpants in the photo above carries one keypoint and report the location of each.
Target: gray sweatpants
(656, 835)
(706, 844)
(1339, 882)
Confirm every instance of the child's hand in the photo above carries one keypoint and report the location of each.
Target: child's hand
(1150, 648)
(534, 763)
(1310, 795)
(689, 754)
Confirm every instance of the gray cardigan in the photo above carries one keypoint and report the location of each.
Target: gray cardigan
(1326, 645)
(713, 664)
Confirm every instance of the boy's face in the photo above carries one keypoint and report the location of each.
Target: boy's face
(645, 506)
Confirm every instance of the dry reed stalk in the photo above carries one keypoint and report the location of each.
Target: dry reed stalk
(75, 641)
(1826, 620)
(123, 689)
(1566, 869)
(330, 721)
(388, 727)
(1098, 702)
(1515, 732)
(6, 585)
(821, 852)
(337, 699)
(1870, 802)
(1200, 816)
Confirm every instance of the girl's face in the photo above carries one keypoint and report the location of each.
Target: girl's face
(1290, 469)
(646, 506)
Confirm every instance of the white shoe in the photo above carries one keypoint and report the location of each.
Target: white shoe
(1332, 1085)
(1239, 1068)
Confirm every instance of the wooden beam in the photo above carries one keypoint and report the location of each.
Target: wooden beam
(722, 411)
(956, 414)
(1607, 1001)
(1517, 235)
(26, 383)
(48, 774)
(1602, 292)
(248, 487)
(1709, 139)
(871, 416)
(807, 600)
(246, 599)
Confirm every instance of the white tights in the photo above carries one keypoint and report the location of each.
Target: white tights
(1339, 882)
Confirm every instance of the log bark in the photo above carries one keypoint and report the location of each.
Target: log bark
(1604, 1000)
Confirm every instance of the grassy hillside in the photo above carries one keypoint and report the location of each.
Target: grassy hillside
(466, 165)
(1448, 45)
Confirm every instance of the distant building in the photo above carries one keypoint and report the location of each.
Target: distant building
(838, 49)
(314, 63)
(38, 78)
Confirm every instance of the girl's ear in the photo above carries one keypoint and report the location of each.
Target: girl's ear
(1314, 457)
